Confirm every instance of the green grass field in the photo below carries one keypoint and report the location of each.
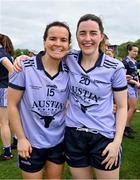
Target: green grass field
(130, 168)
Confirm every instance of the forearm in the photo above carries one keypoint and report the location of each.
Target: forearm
(8, 65)
(121, 114)
(24, 147)
(121, 117)
(15, 121)
(132, 81)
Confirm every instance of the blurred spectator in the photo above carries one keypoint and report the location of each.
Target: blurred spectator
(104, 43)
(109, 52)
(130, 64)
(6, 67)
(32, 53)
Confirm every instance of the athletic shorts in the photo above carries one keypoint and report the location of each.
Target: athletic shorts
(83, 149)
(132, 92)
(39, 157)
(3, 97)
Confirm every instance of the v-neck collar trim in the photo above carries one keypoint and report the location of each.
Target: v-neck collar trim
(97, 64)
(41, 67)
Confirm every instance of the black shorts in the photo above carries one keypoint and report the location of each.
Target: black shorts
(39, 157)
(83, 149)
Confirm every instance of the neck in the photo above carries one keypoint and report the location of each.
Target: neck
(51, 65)
(88, 62)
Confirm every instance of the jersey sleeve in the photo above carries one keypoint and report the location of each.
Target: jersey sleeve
(17, 80)
(3, 58)
(119, 81)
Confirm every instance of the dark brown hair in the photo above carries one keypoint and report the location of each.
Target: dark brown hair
(56, 23)
(91, 17)
(130, 46)
(6, 43)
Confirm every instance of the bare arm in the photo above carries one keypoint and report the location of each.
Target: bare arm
(24, 147)
(121, 116)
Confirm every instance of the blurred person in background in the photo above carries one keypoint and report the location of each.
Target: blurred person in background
(6, 67)
(109, 52)
(104, 45)
(138, 72)
(130, 64)
(32, 53)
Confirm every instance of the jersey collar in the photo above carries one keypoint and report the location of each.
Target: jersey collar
(98, 62)
(40, 64)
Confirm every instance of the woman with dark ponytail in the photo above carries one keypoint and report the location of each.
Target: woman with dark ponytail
(130, 64)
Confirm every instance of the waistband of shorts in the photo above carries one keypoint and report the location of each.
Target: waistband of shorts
(84, 129)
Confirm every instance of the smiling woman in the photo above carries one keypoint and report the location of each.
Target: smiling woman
(93, 134)
(56, 45)
(41, 96)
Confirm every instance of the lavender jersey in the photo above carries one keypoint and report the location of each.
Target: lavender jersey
(43, 103)
(91, 93)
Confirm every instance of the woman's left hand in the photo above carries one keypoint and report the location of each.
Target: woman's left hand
(111, 151)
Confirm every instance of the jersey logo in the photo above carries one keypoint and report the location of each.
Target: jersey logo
(47, 119)
(83, 107)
